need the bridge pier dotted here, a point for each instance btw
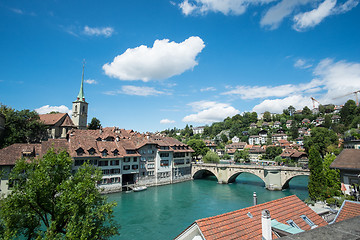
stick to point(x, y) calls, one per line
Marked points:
point(273, 178)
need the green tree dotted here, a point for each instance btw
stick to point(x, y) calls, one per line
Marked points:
point(332, 177)
point(211, 157)
point(272, 152)
point(94, 124)
point(291, 110)
point(267, 116)
point(242, 156)
point(306, 111)
point(316, 179)
point(348, 112)
point(21, 127)
point(321, 138)
point(48, 201)
point(294, 131)
point(198, 146)
point(224, 138)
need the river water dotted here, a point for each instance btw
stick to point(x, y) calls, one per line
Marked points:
point(164, 212)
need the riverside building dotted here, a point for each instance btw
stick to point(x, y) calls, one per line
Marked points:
point(126, 158)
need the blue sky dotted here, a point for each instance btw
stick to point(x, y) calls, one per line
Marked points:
point(153, 65)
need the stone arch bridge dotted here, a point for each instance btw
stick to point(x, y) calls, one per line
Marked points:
point(274, 177)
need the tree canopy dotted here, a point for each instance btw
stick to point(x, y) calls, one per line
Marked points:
point(198, 146)
point(94, 124)
point(321, 138)
point(211, 157)
point(21, 127)
point(48, 201)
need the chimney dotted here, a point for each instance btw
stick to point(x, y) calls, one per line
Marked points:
point(266, 225)
point(255, 198)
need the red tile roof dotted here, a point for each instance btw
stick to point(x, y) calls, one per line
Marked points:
point(60, 119)
point(238, 225)
point(349, 209)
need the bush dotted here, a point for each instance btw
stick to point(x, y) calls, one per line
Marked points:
point(308, 201)
point(331, 201)
point(211, 157)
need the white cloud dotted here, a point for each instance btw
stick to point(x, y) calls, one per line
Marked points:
point(104, 31)
point(347, 6)
point(277, 105)
point(47, 109)
point(339, 78)
point(302, 64)
point(207, 89)
point(254, 92)
point(136, 91)
point(235, 7)
point(164, 60)
point(332, 81)
point(313, 17)
point(275, 15)
point(209, 112)
point(90, 81)
point(17, 11)
point(166, 121)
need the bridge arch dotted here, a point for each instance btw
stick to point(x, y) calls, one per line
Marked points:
point(257, 173)
point(289, 177)
point(201, 173)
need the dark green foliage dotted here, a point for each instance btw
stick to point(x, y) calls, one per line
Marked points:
point(332, 178)
point(21, 127)
point(198, 146)
point(49, 202)
point(242, 156)
point(224, 138)
point(348, 112)
point(316, 179)
point(94, 124)
point(272, 152)
point(267, 116)
point(294, 130)
point(321, 138)
point(211, 157)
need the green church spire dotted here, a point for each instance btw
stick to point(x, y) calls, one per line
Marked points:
point(81, 96)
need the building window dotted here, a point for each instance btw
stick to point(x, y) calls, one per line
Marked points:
point(135, 167)
point(292, 223)
point(80, 151)
point(75, 108)
point(179, 154)
point(164, 155)
point(114, 162)
point(130, 151)
point(116, 152)
point(115, 171)
point(79, 162)
point(104, 153)
point(179, 162)
point(308, 221)
point(126, 167)
point(91, 151)
point(103, 163)
point(164, 163)
point(127, 159)
point(135, 159)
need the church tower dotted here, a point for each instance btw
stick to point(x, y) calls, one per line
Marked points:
point(80, 107)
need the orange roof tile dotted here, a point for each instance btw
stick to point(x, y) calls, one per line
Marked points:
point(238, 225)
point(349, 209)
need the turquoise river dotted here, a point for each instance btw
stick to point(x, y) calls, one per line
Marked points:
point(165, 211)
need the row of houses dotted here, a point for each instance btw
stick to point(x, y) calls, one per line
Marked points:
point(126, 158)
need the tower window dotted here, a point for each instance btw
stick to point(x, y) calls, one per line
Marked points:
point(83, 109)
point(75, 108)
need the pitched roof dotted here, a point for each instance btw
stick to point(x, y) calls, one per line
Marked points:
point(349, 209)
point(238, 224)
point(347, 159)
point(60, 119)
point(10, 154)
